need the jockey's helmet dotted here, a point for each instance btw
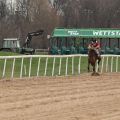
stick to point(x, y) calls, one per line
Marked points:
point(93, 41)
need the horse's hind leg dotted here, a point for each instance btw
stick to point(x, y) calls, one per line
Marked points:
point(99, 62)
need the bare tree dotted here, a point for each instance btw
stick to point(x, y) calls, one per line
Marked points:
point(89, 13)
point(27, 16)
point(30, 15)
point(3, 14)
point(34, 15)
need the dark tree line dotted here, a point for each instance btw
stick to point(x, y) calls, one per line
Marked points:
point(89, 13)
point(17, 19)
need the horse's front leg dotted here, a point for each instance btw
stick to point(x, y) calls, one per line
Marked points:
point(88, 66)
point(94, 69)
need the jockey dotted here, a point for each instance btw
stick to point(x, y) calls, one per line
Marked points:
point(95, 45)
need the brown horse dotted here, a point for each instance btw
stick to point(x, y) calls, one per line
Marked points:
point(92, 58)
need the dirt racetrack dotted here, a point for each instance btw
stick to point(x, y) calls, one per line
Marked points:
point(61, 98)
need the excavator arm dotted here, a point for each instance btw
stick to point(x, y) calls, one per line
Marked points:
point(26, 46)
point(29, 37)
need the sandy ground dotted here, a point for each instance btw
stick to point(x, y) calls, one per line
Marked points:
point(61, 98)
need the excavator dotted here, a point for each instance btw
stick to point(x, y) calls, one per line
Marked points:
point(13, 44)
point(26, 47)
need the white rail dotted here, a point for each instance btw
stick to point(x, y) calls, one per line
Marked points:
point(52, 65)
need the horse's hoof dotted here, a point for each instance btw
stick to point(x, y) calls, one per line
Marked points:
point(95, 74)
point(92, 74)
